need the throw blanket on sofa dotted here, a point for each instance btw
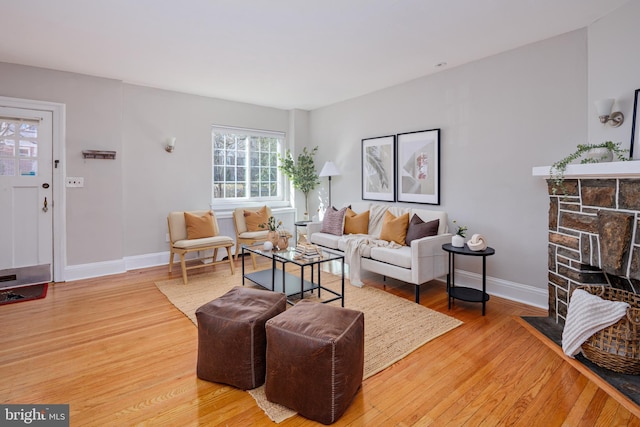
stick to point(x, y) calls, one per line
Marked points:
point(586, 315)
point(356, 245)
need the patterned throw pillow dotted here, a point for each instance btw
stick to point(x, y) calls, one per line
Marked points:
point(419, 229)
point(199, 227)
point(356, 223)
point(394, 229)
point(253, 219)
point(333, 222)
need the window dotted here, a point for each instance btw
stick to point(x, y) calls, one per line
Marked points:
point(18, 147)
point(245, 164)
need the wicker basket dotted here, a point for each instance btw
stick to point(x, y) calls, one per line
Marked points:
point(616, 347)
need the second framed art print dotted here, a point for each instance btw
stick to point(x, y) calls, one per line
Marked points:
point(378, 168)
point(418, 170)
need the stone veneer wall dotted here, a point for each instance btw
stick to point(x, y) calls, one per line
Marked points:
point(593, 238)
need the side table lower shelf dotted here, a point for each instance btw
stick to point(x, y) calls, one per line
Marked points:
point(468, 294)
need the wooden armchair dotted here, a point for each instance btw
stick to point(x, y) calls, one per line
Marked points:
point(243, 235)
point(196, 231)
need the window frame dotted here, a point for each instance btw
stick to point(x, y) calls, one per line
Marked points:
point(232, 203)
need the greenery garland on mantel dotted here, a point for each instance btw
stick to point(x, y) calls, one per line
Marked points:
point(559, 168)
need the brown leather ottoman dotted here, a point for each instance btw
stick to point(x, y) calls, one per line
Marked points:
point(315, 359)
point(231, 336)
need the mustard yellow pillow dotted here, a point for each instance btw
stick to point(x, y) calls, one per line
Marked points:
point(394, 229)
point(356, 223)
point(253, 219)
point(199, 227)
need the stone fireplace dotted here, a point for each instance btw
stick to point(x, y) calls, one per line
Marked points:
point(593, 231)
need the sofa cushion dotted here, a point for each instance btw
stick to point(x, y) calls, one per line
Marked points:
point(199, 226)
point(356, 223)
point(427, 215)
point(325, 239)
point(400, 257)
point(333, 222)
point(419, 229)
point(394, 229)
point(364, 251)
point(253, 219)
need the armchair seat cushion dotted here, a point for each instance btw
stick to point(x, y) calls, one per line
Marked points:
point(204, 242)
point(254, 235)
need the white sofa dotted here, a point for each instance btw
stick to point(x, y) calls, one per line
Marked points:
point(419, 263)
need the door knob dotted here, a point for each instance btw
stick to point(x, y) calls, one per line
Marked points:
point(45, 208)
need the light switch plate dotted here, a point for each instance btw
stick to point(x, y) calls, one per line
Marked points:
point(74, 181)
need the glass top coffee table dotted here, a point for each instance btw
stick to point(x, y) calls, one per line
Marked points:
point(276, 279)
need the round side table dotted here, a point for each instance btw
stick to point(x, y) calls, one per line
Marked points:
point(461, 292)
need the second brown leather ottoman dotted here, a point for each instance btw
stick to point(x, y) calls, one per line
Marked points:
point(231, 336)
point(315, 359)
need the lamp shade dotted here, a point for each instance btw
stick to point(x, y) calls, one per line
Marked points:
point(604, 106)
point(329, 169)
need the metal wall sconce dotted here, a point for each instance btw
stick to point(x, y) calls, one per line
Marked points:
point(171, 144)
point(604, 107)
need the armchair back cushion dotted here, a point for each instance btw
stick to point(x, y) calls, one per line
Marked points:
point(199, 226)
point(241, 223)
point(253, 219)
point(178, 224)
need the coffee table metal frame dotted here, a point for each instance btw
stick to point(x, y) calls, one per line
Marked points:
point(278, 280)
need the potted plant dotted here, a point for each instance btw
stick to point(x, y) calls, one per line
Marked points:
point(276, 236)
point(458, 239)
point(590, 153)
point(302, 173)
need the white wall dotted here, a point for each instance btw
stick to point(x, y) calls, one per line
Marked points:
point(94, 121)
point(499, 117)
point(157, 182)
point(121, 211)
point(614, 71)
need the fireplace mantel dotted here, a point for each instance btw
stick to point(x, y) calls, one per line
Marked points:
point(630, 169)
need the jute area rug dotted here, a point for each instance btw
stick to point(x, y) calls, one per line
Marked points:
point(394, 327)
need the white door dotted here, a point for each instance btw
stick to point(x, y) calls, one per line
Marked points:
point(26, 188)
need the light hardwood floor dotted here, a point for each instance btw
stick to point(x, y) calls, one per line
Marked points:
point(120, 354)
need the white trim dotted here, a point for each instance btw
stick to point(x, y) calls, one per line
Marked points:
point(148, 260)
point(629, 169)
point(96, 269)
point(525, 294)
point(518, 292)
point(59, 212)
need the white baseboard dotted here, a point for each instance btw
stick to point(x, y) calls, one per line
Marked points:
point(96, 269)
point(513, 291)
point(87, 271)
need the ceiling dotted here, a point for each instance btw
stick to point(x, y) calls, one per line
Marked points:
point(281, 53)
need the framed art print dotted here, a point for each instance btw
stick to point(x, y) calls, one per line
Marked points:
point(635, 124)
point(418, 168)
point(378, 173)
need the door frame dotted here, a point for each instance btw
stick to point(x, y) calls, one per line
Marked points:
point(58, 153)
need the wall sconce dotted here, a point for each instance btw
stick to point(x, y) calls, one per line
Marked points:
point(171, 144)
point(604, 107)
